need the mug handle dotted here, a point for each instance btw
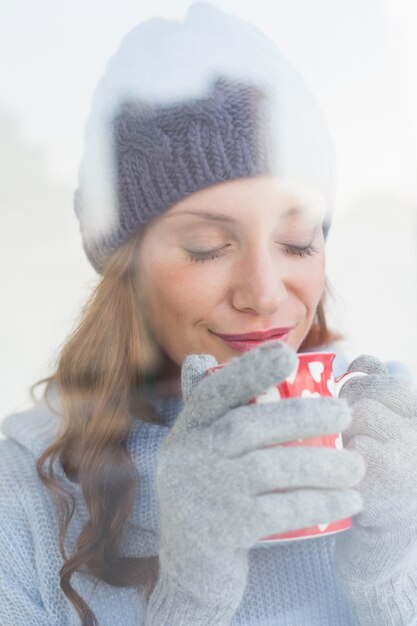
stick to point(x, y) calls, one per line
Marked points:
point(338, 384)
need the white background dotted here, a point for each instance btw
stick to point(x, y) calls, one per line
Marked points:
point(359, 57)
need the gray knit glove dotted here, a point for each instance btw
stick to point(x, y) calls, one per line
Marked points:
point(376, 560)
point(215, 481)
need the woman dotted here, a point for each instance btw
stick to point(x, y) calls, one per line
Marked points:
point(136, 490)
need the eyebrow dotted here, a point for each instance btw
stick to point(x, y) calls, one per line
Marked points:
point(219, 217)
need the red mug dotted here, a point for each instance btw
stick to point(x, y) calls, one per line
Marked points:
point(313, 377)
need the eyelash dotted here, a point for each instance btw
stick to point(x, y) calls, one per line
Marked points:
point(196, 256)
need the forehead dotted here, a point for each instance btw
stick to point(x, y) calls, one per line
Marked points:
point(234, 201)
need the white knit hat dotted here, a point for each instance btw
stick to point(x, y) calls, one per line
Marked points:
point(183, 105)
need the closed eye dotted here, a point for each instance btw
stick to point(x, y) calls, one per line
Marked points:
point(199, 256)
point(301, 251)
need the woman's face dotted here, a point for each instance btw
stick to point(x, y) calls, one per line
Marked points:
point(242, 256)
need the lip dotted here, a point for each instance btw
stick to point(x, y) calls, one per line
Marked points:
point(251, 340)
point(260, 335)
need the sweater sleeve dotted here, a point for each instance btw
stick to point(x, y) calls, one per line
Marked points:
point(20, 601)
point(169, 604)
point(20, 597)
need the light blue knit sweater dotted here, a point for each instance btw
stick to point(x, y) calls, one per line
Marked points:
point(288, 584)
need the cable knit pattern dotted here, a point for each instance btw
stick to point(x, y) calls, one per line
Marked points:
point(165, 153)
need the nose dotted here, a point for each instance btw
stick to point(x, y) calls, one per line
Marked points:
point(260, 283)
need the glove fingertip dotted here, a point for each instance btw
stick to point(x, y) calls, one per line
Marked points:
point(368, 364)
point(357, 501)
point(359, 472)
point(282, 358)
point(354, 500)
point(194, 368)
point(345, 414)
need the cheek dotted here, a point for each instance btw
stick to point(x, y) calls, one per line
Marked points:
point(310, 282)
point(315, 278)
point(183, 291)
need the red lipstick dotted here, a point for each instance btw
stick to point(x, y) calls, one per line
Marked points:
point(247, 341)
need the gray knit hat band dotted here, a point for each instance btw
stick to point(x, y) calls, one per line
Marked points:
point(165, 153)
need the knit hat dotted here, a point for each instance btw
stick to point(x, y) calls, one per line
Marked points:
point(184, 105)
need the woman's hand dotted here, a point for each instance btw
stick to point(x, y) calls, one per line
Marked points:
point(223, 483)
point(377, 559)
